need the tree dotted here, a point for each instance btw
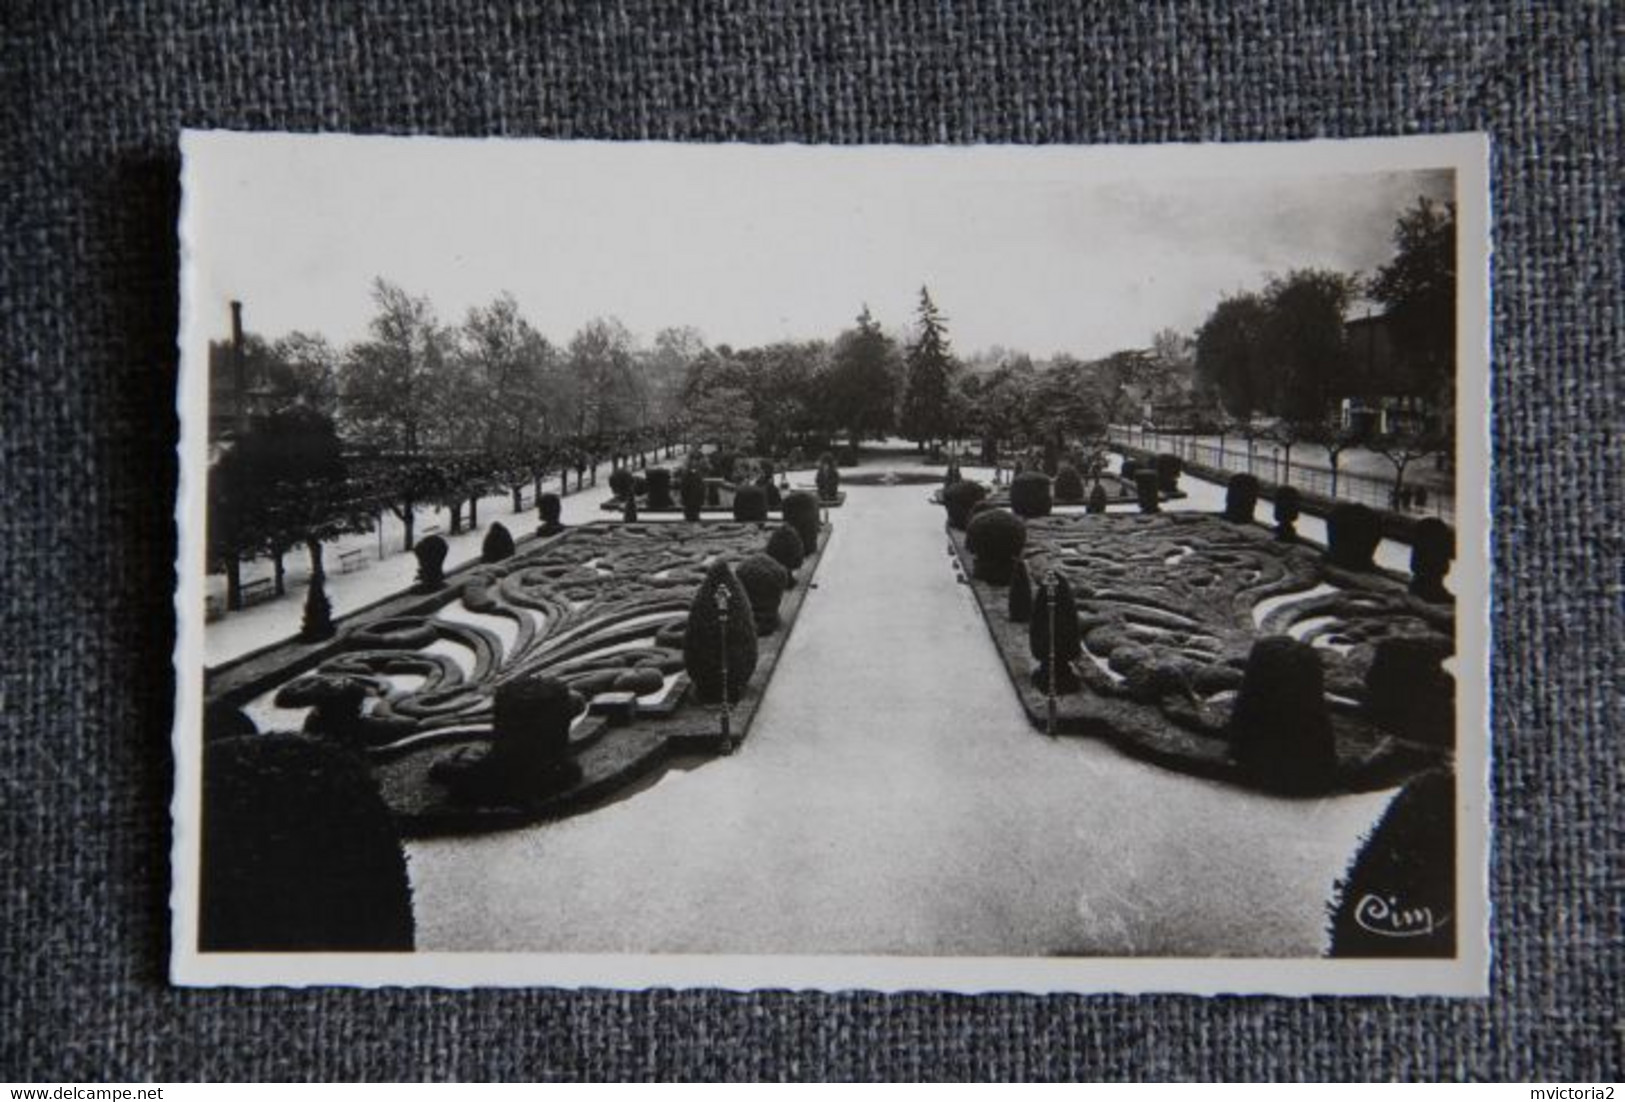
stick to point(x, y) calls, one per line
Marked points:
point(722, 417)
point(610, 391)
point(282, 483)
point(1418, 289)
point(1065, 403)
point(1335, 439)
point(1303, 343)
point(304, 368)
point(1403, 448)
point(927, 412)
point(1228, 353)
point(509, 394)
point(396, 384)
point(860, 391)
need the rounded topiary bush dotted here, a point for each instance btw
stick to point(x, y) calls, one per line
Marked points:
point(498, 543)
point(995, 539)
point(336, 710)
point(1280, 729)
point(1169, 468)
point(1068, 485)
point(1240, 499)
point(431, 555)
point(300, 853)
point(1353, 532)
point(659, 481)
point(750, 503)
point(1147, 491)
point(693, 494)
point(1398, 898)
point(1097, 499)
point(959, 499)
point(703, 641)
point(1030, 494)
point(800, 512)
point(1021, 593)
point(621, 482)
point(528, 757)
point(1066, 644)
point(550, 509)
point(765, 581)
point(787, 550)
point(1288, 506)
point(1433, 546)
point(1128, 469)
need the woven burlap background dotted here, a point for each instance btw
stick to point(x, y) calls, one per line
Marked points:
point(94, 97)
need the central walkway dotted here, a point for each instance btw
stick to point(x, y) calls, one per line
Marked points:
point(892, 799)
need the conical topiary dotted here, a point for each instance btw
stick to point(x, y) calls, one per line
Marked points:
point(1288, 506)
point(1147, 490)
point(750, 504)
point(1353, 532)
point(659, 483)
point(550, 509)
point(693, 493)
point(1097, 499)
point(704, 643)
point(1068, 485)
point(317, 621)
point(1433, 545)
point(1068, 646)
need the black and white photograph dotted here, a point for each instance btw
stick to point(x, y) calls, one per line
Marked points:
point(870, 567)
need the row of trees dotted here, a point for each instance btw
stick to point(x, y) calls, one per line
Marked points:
point(1285, 351)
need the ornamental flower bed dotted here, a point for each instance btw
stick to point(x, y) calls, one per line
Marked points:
point(1170, 608)
point(415, 683)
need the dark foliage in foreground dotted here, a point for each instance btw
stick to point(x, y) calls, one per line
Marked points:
point(299, 852)
point(703, 639)
point(996, 538)
point(1399, 897)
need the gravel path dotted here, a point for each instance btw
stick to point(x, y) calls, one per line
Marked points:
point(892, 799)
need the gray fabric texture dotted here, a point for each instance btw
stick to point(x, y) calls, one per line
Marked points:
point(93, 100)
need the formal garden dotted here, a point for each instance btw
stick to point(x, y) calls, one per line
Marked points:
point(625, 573)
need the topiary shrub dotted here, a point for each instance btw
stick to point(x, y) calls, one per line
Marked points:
point(621, 482)
point(1146, 490)
point(222, 721)
point(498, 543)
point(800, 511)
point(952, 475)
point(959, 498)
point(550, 509)
point(785, 547)
point(1409, 692)
point(1353, 532)
point(1433, 546)
point(765, 581)
point(1240, 499)
point(317, 621)
point(431, 555)
point(1068, 643)
point(703, 642)
point(1029, 495)
point(336, 710)
point(770, 490)
point(750, 504)
point(1287, 510)
point(1021, 593)
point(659, 480)
point(629, 508)
point(1068, 485)
point(528, 756)
point(828, 479)
point(1398, 898)
point(996, 539)
point(1129, 467)
point(1169, 468)
point(1097, 499)
point(299, 852)
point(1280, 729)
point(693, 494)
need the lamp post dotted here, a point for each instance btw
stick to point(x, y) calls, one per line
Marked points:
point(1049, 681)
point(722, 619)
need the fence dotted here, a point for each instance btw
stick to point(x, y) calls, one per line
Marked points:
point(1271, 467)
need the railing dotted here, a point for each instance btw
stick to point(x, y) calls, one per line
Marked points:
point(1269, 466)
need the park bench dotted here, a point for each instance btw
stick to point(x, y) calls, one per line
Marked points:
point(260, 589)
point(430, 530)
point(353, 559)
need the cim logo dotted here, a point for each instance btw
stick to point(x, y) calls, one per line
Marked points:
point(1385, 917)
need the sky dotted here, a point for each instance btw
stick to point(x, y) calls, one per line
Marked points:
point(1043, 249)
